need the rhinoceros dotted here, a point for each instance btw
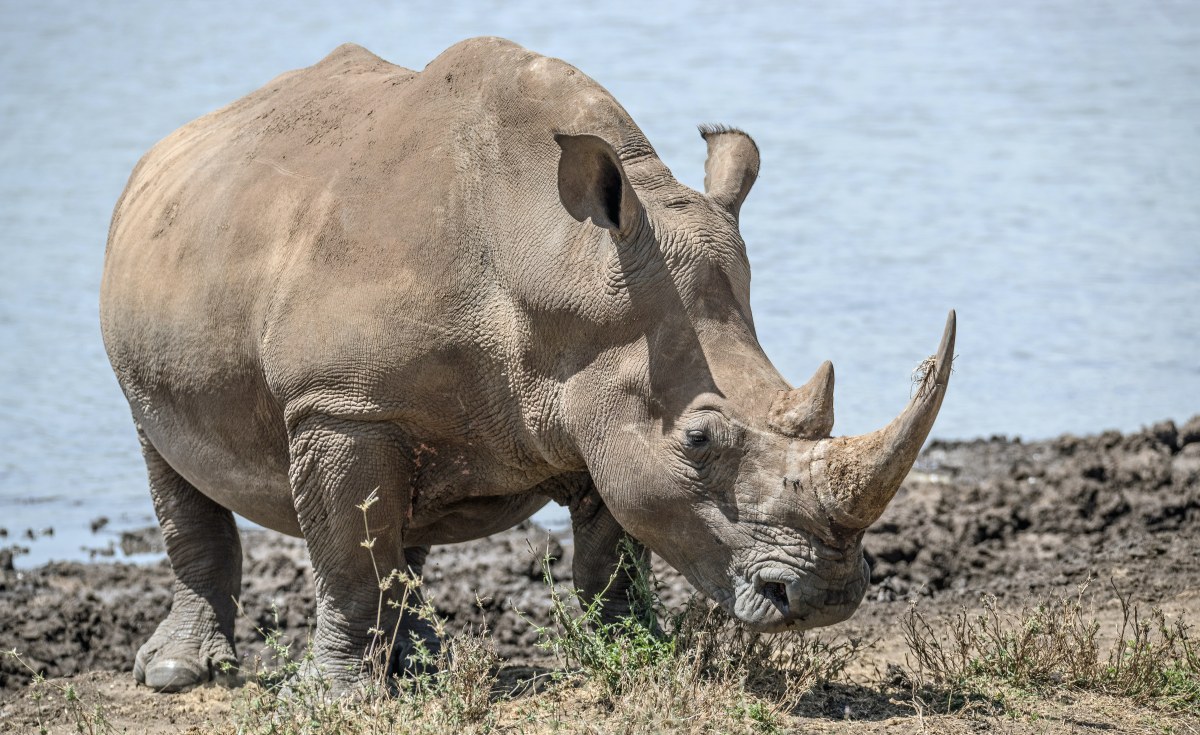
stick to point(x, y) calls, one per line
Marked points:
point(466, 292)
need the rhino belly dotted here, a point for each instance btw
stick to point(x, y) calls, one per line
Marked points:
point(471, 518)
point(229, 443)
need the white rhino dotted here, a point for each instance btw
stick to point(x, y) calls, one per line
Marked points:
point(474, 289)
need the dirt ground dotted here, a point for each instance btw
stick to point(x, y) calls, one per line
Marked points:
point(1000, 517)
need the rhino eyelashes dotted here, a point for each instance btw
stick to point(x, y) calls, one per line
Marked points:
point(795, 484)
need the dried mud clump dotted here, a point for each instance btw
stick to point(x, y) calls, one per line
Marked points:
point(977, 516)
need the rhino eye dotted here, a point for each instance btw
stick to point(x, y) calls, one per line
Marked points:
point(697, 438)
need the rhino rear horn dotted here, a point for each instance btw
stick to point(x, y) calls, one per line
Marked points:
point(731, 166)
point(806, 411)
point(856, 476)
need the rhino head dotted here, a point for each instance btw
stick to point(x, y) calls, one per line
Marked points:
point(698, 446)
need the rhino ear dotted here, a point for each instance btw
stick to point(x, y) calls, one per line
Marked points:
point(731, 167)
point(592, 183)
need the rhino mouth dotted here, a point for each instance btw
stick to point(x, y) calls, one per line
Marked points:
point(779, 598)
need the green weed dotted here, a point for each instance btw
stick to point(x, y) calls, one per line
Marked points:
point(53, 697)
point(695, 668)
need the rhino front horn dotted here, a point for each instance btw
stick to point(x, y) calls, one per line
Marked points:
point(856, 476)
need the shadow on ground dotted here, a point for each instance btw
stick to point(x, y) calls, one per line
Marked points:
point(849, 701)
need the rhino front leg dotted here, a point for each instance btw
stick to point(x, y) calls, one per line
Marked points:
point(602, 563)
point(336, 464)
point(194, 644)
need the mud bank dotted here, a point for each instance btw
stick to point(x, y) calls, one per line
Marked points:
point(994, 516)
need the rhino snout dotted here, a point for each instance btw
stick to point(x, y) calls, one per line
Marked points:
point(776, 599)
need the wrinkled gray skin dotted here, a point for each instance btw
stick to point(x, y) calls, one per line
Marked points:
point(475, 288)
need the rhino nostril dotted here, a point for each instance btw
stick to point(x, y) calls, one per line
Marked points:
point(776, 592)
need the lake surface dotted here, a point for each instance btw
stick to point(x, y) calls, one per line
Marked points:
point(1034, 165)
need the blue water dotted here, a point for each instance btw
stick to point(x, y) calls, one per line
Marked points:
point(1033, 164)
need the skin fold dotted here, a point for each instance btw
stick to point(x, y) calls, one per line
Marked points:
point(469, 290)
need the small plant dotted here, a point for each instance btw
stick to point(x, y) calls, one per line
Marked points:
point(1153, 660)
point(1055, 644)
point(608, 653)
point(782, 668)
point(88, 719)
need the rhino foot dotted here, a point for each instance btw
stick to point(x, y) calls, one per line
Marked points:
point(175, 659)
point(335, 673)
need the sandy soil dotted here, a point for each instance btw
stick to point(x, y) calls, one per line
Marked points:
point(1005, 518)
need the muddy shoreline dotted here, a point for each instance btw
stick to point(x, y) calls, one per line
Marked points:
point(997, 516)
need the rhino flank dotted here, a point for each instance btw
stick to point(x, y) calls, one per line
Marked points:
point(472, 290)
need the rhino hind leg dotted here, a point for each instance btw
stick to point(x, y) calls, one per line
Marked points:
point(194, 644)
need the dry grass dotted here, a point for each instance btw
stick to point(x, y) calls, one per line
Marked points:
point(1153, 661)
point(703, 673)
point(694, 670)
point(87, 714)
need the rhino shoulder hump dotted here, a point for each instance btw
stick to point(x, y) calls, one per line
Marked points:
point(352, 58)
point(485, 47)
